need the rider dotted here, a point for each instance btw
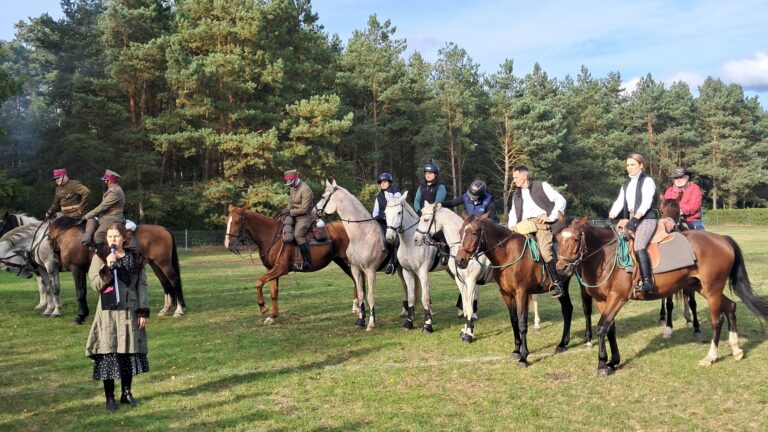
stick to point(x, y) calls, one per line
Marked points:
point(477, 201)
point(70, 197)
point(432, 190)
point(690, 202)
point(387, 191)
point(540, 203)
point(637, 201)
point(300, 208)
point(108, 212)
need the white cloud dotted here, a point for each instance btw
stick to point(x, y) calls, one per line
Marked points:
point(630, 85)
point(693, 80)
point(751, 73)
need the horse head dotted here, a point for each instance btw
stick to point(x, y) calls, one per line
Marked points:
point(327, 205)
point(235, 234)
point(471, 240)
point(428, 225)
point(571, 247)
point(394, 215)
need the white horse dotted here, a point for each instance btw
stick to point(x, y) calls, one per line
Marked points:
point(26, 252)
point(365, 251)
point(435, 220)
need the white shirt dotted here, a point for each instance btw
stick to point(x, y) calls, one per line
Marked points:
point(648, 191)
point(388, 196)
point(531, 210)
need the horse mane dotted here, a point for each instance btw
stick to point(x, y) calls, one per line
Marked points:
point(408, 209)
point(65, 222)
point(19, 233)
point(355, 204)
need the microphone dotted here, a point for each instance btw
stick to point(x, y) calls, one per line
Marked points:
point(113, 248)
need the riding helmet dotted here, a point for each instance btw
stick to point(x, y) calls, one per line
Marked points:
point(385, 176)
point(432, 167)
point(476, 189)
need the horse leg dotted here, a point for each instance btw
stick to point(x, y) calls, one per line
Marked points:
point(56, 292)
point(43, 293)
point(167, 290)
point(260, 296)
point(716, 312)
point(409, 284)
point(670, 307)
point(78, 274)
point(610, 309)
point(521, 302)
point(425, 299)
point(663, 312)
point(566, 307)
point(511, 307)
point(536, 318)
point(345, 267)
point(615, 356)
point(358, 276)
point(696, 325)
point(468, 291)
point(274, 291)
point(586, 306)
point(687, 310)
point(733, 337)
point(371, 297)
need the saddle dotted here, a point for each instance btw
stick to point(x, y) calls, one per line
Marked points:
point(317, 235)
point(669, 250)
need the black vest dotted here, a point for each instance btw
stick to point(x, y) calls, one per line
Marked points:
point(383, 200)
point(429, 192)
point(651, 213)
point(539, 197)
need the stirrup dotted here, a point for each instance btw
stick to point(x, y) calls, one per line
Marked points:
point(389, 269)
point(556, 291)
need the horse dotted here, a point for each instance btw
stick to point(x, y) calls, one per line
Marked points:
point(25, 251)
point(519, 273)
point(416, 260)
point(154, 242)
point(365, 251)
point(276, 255)
point(479, 270)
point(670, 208)
point(592, 253)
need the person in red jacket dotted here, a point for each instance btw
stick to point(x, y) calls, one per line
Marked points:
point(688, 194)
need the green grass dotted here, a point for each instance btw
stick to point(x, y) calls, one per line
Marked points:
point(220, 368)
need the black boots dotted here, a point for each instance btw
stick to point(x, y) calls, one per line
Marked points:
point(127, 398)
point(392, 266)
point(557, 283)
point(644, 262)
point(306, 266)
point(109, 392)
point(90, 228)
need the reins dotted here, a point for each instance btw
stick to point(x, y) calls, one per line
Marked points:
point(622, 259)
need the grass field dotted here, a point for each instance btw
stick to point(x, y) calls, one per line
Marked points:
point(220, 368)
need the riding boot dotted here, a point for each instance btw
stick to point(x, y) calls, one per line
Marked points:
point(644, 262)
point(445, 254)
point(109, 393)
point(392, 266)
point(90, 227)
point(557, 283)
point(126, 397)
point(306, 266)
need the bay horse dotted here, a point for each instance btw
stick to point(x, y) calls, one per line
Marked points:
point(591, 253)
point(155, 242)
point(518, 274)
point(277, 256)
point(365, 252)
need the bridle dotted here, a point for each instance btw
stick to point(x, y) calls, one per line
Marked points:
point(321, 211)
point(576, 261)
point(238, 238)
point(399, 228)
point(428, 234)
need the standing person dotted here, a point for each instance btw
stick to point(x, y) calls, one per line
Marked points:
point(688, 195)
point(477, 201)
point(109, 211)
point(70, 197)
point(540, 203)
point(637, 201)
point(387, 191)
point(300, 208)
point(117, 342)
point(431, 190)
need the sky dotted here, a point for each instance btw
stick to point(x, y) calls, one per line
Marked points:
point(672, 40)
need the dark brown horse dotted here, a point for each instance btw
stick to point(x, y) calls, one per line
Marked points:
point(591, 252)
point(518, 276)
point(277, 256)
point(154, 242)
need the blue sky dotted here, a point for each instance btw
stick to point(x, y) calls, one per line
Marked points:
point(673, 40)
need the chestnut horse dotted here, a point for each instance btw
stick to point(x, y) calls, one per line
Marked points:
point(276, 255)
point(155, 242)
point(518, 275)
point(592, 253)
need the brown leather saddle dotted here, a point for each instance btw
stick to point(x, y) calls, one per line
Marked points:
point(669, 250)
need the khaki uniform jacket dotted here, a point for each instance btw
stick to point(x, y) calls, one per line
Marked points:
point(70, 198)
point(302, 200)
point(117, 330)
point(112, 203)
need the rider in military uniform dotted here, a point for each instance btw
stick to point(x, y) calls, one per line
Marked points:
point(70, 198)
point(300, 208)
point(110, 211)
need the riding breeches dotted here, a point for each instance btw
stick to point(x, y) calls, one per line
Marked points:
point(544, 239)
point(104, 222)
point(644, 233)
point(301, 226)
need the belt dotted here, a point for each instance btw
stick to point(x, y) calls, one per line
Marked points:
point(69, 208)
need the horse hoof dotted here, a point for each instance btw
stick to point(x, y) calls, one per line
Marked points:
point(269, 321)
point(45, 314)
point(178, 314)
point(515, 356)
point(360, 323)
point(428, 329)
point(560, 349)
point(588, 344)
point(662, 322)
point(468, 338)
point(523, 364)
point(706, 362)
point(162, 313)
point(370, 327)
point(408, 325)
point(537, 327)
point(738, 355)
point(689, 324)
point(699, 337)
point(667, 333)
point(79, 320)
point(56, 315)
point(604, 372)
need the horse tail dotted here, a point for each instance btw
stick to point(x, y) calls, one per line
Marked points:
point(741, 285)
point(177, 269)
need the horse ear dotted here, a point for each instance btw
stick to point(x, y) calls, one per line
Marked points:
point(404, 196)
point(581, 221)
point(327, 183)
point(483, 217)
point(334, 183)
point(230, 208)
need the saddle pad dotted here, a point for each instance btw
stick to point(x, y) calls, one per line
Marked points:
point(675, 253)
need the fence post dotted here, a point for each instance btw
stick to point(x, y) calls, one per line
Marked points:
point(186, 240)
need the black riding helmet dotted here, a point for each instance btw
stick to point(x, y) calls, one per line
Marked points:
point(385, 176)
point(432, 167)
point(477, 189)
